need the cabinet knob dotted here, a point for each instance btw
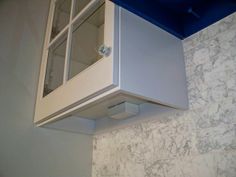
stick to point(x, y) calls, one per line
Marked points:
point(104, 50)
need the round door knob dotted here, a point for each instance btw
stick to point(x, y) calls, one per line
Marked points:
point(104, 50)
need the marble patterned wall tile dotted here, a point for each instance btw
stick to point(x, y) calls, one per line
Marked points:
point(193, 143)
point(210, 69)
point(226, 24)
point(139, 148)
point(215, 127)
point(197, 166)
point(225, 164)
point(208, 165)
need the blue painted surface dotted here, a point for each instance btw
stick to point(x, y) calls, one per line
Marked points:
point(181, 18)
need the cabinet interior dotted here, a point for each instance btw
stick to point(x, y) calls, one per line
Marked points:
point(86, 39)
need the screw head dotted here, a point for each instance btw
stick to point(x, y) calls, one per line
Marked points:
point(104, 50)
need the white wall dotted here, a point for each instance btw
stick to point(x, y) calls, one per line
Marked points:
point(26, 151)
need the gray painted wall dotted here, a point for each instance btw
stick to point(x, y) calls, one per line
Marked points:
point(26, 151)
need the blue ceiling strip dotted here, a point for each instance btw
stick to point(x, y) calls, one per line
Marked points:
point(209, 14)
point(181, 18)
point(151, 12)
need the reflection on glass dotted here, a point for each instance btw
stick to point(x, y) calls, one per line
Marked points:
point(86, 39)
point(79, 5)
point(55, 66)
point(61, 16)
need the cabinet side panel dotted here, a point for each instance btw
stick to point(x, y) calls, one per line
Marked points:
point(152, 62)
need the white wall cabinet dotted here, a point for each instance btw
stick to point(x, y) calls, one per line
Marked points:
point(98, 55)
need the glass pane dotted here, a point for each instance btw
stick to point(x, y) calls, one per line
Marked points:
point(86, 39)
point(79, 5)
point(61, 16)
point(55, 66)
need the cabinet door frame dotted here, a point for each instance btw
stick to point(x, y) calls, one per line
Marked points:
point(98, 78)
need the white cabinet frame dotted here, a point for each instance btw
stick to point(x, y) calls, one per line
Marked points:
point(99, 77)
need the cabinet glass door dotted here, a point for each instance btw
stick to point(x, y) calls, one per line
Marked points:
point(78, 60)
point(86, 40)
point(57, 46)
point(79, 6)
point(77, 32)
point(55, 66)
point(61, 16)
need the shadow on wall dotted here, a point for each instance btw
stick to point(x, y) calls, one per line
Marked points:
point(25, 150)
